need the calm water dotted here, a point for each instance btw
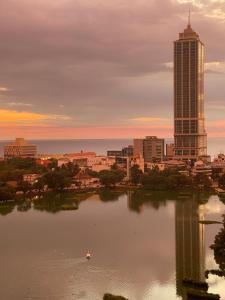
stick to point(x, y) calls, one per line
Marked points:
point(142, 246)
point(215, 145)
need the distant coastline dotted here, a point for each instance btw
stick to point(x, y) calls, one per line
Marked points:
point(100, 146)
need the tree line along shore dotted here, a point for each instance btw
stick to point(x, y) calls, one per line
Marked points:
point(20, 176)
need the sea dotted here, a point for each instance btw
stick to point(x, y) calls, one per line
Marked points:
point(100, 146)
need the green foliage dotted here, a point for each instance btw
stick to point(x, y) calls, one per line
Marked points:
point(70, 169)
point(53, 164)
point(91, 173)
point(40, 184)
point(111, 177)
point(219, 252)
point(202, 180)
point(6, 208)
point(221, 181)
point(111, 297)
point(11, 175)
point(216, 173)
point(24, 186)
point(22, 163)
point(136, 174)
point(114, 167)
point(165, 180)
point(6, 193)
point(15, 168)
point(58, 179)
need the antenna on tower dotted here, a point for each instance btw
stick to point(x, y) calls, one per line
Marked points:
point(189, 17)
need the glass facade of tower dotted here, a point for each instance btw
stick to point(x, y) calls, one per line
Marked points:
point(189, 129)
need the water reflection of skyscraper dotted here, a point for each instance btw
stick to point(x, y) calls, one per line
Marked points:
point(190, 246)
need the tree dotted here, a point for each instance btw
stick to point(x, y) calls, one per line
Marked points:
point(202, 180)
point(22, 163)
point(6, 193)
point(219, 252)
point(40, 184)
point(57, 180)
point(136, 174)
point(114, 167)
point(112, 297)
point(24, 186)
point(221, 181)
point(53, 164)
point(163, 180)
point(92, 173)
point(110, 177)
point(10, 175)
point(73, 169)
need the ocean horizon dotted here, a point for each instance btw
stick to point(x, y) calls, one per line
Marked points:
point(216, 145)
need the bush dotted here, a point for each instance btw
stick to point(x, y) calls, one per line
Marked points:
point(110, 177)
point(111, 297)
point(6, 193)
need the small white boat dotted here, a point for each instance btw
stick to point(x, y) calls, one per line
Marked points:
point(88, 255)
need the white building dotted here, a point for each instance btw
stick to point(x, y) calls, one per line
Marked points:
point(31, 178)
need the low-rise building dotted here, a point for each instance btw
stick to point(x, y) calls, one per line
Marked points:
point(218, 165)
point(44, 162)
point(205, 158)
point(20, 148)
point(201, 168)
point(63, 161)
point(101, 162)
point(114, 153)
point(31, 178)
point(84, 180)
point(160, 166)
point(175, 164)
point(100, 167)
point(50, 156)
point(80, 155)
point(81, 162)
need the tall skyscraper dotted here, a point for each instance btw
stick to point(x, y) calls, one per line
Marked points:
point(189, 129)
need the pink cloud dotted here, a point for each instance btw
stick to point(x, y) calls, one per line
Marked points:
point(53, 132)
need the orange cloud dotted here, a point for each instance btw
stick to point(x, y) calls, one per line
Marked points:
point(149, 120)
point(11, 116)
point(4, 89)
point(52, 132)
point(216, 123)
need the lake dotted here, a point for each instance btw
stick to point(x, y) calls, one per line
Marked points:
point(142, 245)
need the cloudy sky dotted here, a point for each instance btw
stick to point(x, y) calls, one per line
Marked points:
point(101, 68)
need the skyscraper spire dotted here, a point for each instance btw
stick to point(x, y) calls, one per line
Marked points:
point(189, 17)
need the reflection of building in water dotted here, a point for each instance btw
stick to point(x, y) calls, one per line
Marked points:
point(190, 248)
point(134, 202)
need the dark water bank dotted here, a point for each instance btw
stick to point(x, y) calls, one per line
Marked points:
point(111, 297)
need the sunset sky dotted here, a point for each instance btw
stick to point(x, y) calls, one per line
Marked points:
point(101, 68)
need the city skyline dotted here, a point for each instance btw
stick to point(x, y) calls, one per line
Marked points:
point(68, 73)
